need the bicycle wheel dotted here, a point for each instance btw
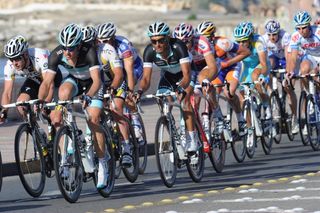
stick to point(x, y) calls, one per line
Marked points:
point(132, 172)
point(251, 136)
point(111, 164)
point(67, 165)
point(302, 119)
point(238, 144)
point(165, 152)
point(312, 123)
point(195, 163)
point(0, 171)
point(268, 131)
point(287, 115)
point(29, 160)
point(276, 115)
point(143, 148)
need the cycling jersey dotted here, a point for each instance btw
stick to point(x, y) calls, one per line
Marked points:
point(38, 64)
point(87, 61)
point(125, 50)
point(251, 62)
point(201, 47)
point(178, 55)
point(277, 49)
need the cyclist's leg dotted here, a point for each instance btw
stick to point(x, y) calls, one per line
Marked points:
point(28, 91)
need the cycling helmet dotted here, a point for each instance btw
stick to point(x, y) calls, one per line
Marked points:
point(106, 30)
point(272, 26)
point(183, 32)
point(243, 31)
point(158, 29)
point(70, 36)
point(302, 18)
point(15, 47)
point(206, 28)
point(89, 33)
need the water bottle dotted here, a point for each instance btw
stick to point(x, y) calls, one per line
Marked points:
point(44, 146)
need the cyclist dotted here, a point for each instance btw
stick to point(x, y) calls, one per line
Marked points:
point(171, 56)
point(255, 66)
point(277, 41)
point(113, 68)
point(304, 40)
point(89, 34)
point(81, 61)
point(132, 64)
point(228, 54)
point(202, 55)
point(31, 63)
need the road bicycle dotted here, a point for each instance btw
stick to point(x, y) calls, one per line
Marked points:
point(170, 144)
point(70, 151)
point(280, 106)
point(32, 150)
point(259, 126)
point(110, 122)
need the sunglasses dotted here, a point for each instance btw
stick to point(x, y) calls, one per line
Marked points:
point(104, 41)
point(272, 34)
point(301, 28)
point(161, 41)
point(70, 49)
point(18, 58)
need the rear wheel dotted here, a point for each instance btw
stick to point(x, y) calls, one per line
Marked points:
point(276, 115)
point(312, 123)
point(238, 144)
point(165, 152)
point(251, 136)
point(287, 115)
point(143, 148)
point(268, 128)
point(29, 160)
point(67, 164)
point(302, 119)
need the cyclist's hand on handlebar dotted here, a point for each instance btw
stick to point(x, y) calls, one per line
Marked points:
point(111, 91)
point(86, 100)
point(180, 92)
point(3, 116)
point(206, 84)
point(39, 105)
point(130, 95)
point(137, 96)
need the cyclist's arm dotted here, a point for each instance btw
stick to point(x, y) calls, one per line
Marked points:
point(45, 86)
point(263, 63)
point(242, 53)
point(118, 77)
point(51, 89)
point(292, 58)
point(128, 66)
point(7, 92)
point(146, 79)
point(186, 72)
point(96, 81)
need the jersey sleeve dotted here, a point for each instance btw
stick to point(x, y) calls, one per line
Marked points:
point(204, 46)
point(148, 56)
point(125, 50)
point(9, 71)
point(295, 41)
point(54, 60)
point(92, 58)
point(43, 58)
point(224, 45)
point(285, 39)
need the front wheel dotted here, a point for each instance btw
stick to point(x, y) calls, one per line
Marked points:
point(251, 136)
point(312, 123)
point(143, 148)
point(238, 144)
point(165, 152)
point(269, 131)
point(29, 160)
point(302, 119)
point(67, 164)
point(276, 116)
point(287, 115)
point(195, 163)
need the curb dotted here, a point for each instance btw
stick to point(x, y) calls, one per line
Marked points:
point(10, 169)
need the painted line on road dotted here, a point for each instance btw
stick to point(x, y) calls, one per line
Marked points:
point(250, 199)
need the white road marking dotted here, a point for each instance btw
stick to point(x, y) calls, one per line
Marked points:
point(294, 197)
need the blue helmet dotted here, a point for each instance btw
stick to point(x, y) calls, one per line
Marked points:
point(70, 36)
point(158, 29)
point(272, 26)
point(302, 18)
point(243, 31)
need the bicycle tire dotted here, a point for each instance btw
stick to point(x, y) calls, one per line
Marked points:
point(1, 174)
point(132, 172)
point(238, 145)
point(66, 164)
point(31, 164)
point(302, 118)
point(143, 148)
point(287, 116)
point(250, 149)
point(195, 163)
point(105, 192)
point(312, 125)
point(267, 137)
point(166, 157)
point(276, 115)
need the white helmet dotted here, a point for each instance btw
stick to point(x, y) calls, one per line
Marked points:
point(70, 36)
point(272, 26)
point(89, 33)
point(158, 28)
point(106, 30)
point(15, 47)
point(183, 32)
